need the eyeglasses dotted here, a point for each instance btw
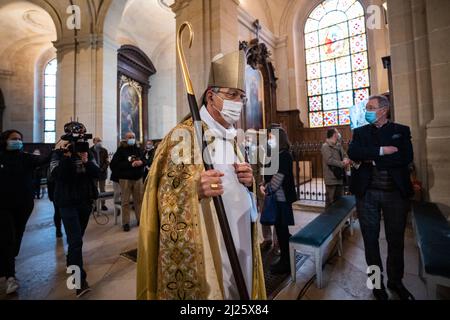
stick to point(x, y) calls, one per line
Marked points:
point(233, 95)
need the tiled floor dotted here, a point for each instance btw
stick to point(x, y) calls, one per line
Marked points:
point(41, 264)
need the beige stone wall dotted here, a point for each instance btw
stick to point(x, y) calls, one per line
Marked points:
point(260, 10)
point(26, 31)
point(108, 79)
point(215, 24)
point(162, 94)
point(18, 88)
point(438, 130)
point(79, 84)
point(421, 71)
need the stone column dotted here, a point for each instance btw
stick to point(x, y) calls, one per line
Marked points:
point(421, 72)
point(438, 130)
point(87, 86)
point(215, 25)
point(405, 65)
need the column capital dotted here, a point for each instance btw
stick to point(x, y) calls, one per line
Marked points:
point(92, 40)
point(178, 5)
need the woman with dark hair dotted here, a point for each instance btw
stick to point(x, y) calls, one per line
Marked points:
point(282, 184)
point(16, 200)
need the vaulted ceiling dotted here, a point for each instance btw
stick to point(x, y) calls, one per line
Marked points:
point(23, 25)
point(147, 24)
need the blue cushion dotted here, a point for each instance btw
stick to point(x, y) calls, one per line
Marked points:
point(433, 234)
point(318, 230)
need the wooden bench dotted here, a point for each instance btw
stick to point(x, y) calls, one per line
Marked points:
point(314, 238)
point(432, 233)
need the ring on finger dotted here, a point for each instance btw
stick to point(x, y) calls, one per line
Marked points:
point(214, 186)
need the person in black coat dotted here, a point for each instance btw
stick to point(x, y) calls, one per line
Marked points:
point(382, 152)
point(127, 166)
point(74, 174)
point(282, 184)
point(16, 200)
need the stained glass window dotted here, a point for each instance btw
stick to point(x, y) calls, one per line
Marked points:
point(50, 102)
point(336, 61)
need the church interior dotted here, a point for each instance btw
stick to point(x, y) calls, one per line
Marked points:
point(112, 65)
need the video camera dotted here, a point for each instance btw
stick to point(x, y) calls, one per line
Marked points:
point(75, 133)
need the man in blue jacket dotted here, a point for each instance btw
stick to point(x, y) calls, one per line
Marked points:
point(382, 151)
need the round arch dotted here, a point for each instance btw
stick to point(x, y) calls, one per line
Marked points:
point(53, 12)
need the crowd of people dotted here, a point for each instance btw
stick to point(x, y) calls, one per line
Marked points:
point(378, 157)
point(74, 179)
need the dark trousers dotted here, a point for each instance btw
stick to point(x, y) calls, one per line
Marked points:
point(57, 217)
point(282, 230)
point(395, 210)
point(37, 188)
point(75, 221)
point(333, 193)
point(12, 226)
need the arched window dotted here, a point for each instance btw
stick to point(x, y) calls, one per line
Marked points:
point(50, 102)
point(336, 61)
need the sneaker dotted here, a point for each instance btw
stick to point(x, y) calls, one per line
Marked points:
point(104, 208)
point(11, 285)
point(126, 227)
point(401, 291)
point(83, 290)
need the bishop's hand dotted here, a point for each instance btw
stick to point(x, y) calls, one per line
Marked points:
point(210, 184)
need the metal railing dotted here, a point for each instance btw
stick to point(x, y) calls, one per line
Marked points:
point(308, 171)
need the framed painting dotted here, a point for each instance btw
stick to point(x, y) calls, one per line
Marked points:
point(254, 109)
point(130, 106)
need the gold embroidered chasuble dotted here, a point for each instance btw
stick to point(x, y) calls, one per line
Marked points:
point(178, 249)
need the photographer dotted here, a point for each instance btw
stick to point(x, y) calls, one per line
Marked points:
point(128, 167)
point(74, 172)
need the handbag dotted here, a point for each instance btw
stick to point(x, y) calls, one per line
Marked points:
point(269, 212)
point(338, 172)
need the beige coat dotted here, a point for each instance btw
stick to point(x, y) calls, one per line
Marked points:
point(331, 157)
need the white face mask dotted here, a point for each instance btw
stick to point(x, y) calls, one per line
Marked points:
point(231, 111)
point(272, 143)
